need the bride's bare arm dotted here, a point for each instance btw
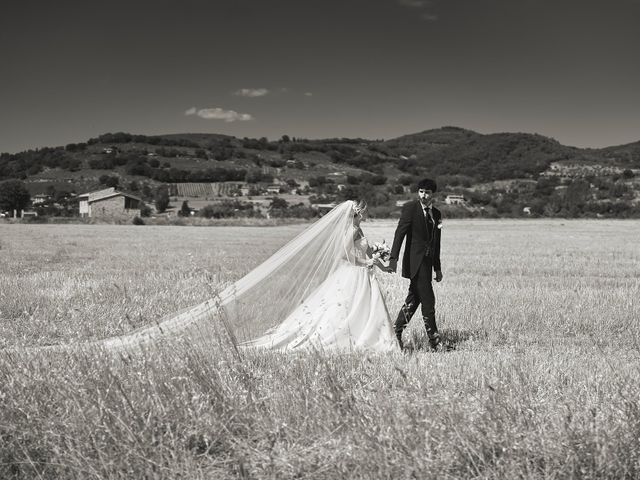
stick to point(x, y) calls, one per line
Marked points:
point(348, 247)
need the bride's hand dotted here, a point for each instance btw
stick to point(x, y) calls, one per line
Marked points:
point(380, 264)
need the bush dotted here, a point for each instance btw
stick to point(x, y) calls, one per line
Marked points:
point(185, 210)
point(228, 209)
point(281, 209)
point(36, 219)
point(373, 179)
point(109, 180)
point(406, 180)
point(137, 220)
point(145, 210)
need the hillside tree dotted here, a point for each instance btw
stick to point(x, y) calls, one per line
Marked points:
point(185, 210)
point(13, 195)
point(162, 198)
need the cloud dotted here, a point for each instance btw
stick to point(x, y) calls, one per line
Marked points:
point(251, 92)
point(308, 94)
point(219, 114)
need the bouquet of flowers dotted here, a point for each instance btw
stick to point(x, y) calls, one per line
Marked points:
point(381, 250)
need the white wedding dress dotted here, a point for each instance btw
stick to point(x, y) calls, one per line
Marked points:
point(345, 312)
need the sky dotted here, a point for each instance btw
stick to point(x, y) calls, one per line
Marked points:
point(71, 70)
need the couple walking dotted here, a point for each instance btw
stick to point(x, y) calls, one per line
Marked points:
point(347, 310)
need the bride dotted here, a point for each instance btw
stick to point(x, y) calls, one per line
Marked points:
point(347, 310)
point(318, 291)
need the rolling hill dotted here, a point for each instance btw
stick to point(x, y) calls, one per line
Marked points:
point(500, 173)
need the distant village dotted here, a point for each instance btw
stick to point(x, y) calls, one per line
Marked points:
point(189, 198)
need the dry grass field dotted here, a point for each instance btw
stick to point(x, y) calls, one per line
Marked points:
point(542, 382)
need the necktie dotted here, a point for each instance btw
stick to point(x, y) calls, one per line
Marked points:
point(428, 217)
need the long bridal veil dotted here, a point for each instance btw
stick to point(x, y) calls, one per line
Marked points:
point(264, 297)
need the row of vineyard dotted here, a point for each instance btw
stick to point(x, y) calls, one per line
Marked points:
point(202, 189)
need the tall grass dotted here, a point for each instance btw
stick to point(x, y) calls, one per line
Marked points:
point(542, 316)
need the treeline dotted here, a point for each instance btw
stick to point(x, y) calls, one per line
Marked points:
point(367, 179)
point(586, 197)
point(278, 208)
point(548, 197)
point(30, 162)
point(216, 148)
point(121, 137)
point(163, 172)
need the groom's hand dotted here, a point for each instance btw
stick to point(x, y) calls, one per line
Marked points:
point(393, 265)
point(438, 276)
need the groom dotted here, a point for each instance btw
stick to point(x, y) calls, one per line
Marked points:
point(420, 223)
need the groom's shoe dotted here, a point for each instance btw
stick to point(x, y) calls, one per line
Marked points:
point(435, 342)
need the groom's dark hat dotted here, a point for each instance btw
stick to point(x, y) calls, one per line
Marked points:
point(427, 184)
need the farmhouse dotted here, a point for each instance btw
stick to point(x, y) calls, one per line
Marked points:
point(454, 200)
point(109, 204)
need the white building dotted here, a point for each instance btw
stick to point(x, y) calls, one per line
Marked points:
point(40, 198)
point(455, 200)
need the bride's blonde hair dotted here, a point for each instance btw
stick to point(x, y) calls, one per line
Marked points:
point(359, 207)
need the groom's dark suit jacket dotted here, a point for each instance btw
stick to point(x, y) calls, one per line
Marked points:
point(423, 238)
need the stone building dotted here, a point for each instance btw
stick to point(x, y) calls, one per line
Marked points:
point(109, 204)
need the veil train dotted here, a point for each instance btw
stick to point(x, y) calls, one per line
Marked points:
point(260, 300)
point(251, 309)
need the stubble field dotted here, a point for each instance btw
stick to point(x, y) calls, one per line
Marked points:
point(543, 318)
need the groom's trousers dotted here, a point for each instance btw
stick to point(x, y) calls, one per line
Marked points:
point(420, 293)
